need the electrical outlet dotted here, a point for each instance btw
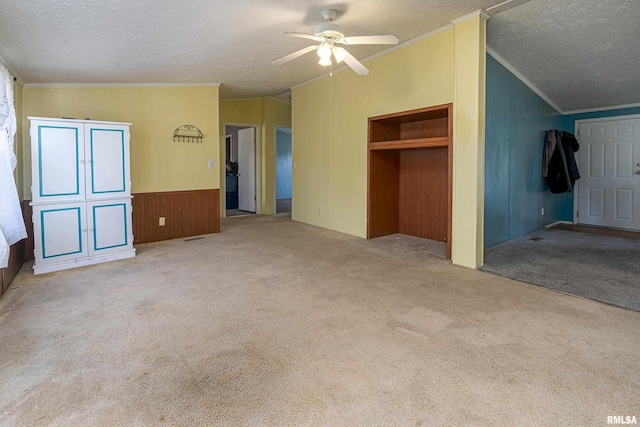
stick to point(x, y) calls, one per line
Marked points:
point(161, 221)
point(542, 211)
point(210, 164)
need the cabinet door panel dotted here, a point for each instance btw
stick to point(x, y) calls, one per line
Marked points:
point(109, 226)
point(60, 232)
point(57, 157)
point(107, 151)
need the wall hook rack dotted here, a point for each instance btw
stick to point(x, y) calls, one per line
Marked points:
point(187, 133)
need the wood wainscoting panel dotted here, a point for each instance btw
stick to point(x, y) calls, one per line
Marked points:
point(27, 213)
point(410, 159)
point(383, 193)
point(16, 259)
point(424, 202)
point(20, 252)
point(186, 213)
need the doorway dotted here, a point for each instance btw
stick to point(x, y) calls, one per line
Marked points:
point(608, 193)
point(241, 175)
point(283, 170)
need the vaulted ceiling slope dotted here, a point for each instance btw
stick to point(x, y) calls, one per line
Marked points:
point(198, 41)
point(582, 54)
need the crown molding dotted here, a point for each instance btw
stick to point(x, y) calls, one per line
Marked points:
point(4, 60)
point(476, 13)
point(117, 85)
point(254, 99)
point(523, 79)
point(315, 79)
point(408, 42)
point(240, 99)
point(445, 27)
point(504, 6)
point(279, 100)
point(597, 109)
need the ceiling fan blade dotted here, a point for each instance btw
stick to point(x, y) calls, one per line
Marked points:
point(303, 36)
point(355, 65)
point(388, 39)
point(294, 55)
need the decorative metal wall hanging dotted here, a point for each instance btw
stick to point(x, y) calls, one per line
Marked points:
point(187, 133)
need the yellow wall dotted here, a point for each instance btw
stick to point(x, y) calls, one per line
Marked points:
point(415, 76)
point(329, 130)
point(157, 163)
point(310, 135)
point(468, 147)
point(274, 114)
point(267, 114)
point(244, 112)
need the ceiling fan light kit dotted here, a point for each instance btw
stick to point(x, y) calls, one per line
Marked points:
point(325, 61)
point(330, 34)
point(324, 50)
point(339, 53)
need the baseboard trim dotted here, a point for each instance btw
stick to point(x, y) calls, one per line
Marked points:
point(558, 222)
point(81, 262)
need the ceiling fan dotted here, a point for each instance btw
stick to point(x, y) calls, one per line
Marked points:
point(329, 35)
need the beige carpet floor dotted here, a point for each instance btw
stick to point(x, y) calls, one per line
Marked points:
point(276, 323)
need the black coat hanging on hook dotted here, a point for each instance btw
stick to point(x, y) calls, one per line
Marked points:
point(187, 133)
point(559, 166)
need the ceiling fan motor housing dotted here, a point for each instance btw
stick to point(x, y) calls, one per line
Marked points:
point(329, 30)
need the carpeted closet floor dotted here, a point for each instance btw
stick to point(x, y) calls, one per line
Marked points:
point(272, 322)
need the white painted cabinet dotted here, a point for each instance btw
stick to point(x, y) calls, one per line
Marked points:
point(109, 226)
point(81, 193)
point(59, 232)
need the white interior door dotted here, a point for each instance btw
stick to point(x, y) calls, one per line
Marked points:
point(247, 169)
point(609, 163)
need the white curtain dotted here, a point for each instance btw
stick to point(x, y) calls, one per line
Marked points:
point(12, 228)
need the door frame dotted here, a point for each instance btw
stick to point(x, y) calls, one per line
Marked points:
point(223, 159)
point(275, 164)
point(576, 189)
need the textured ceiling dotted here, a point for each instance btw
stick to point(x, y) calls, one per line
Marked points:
point(581, 53)
point(197, 41)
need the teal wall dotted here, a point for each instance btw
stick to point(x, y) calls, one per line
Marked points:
point(569, 120)
point(515, 191)
point(283, 165)
point(569, 125)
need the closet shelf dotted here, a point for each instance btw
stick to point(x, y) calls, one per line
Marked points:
point(410, 174)
point(442, 141)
